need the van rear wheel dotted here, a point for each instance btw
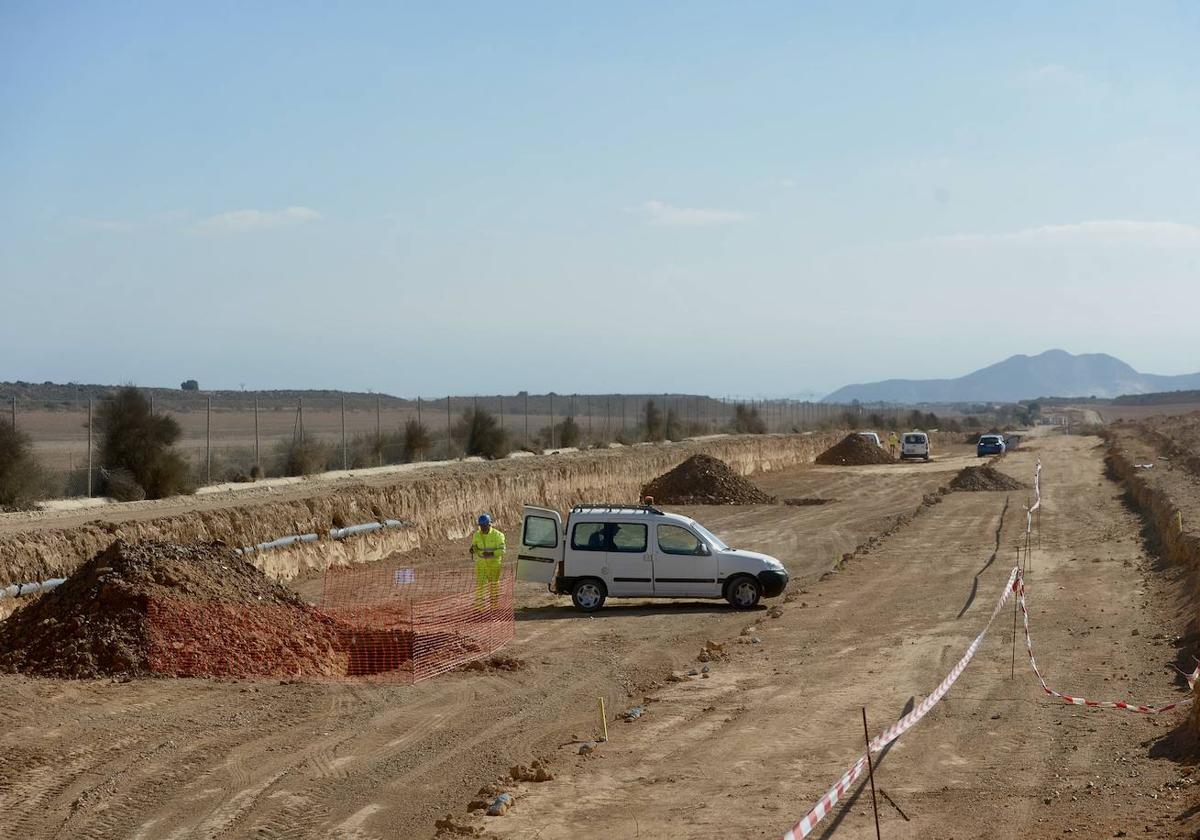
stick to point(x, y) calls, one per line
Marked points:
point(588, 594)
point(743, 592)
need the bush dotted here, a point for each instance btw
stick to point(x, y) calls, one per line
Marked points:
point(652, 421)
point(478, 433)
point(746, 421)
point(189, 385)
point(22, 480)
point(417, 441)
point(139, 441)
point(120, 485)
point(303, 456)
point(673, 429)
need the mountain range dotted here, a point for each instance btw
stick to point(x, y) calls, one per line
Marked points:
point(1054, 373)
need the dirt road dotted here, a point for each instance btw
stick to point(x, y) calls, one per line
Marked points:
point(739, 754)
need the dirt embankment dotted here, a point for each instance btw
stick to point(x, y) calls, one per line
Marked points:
point(1169, 498)
point(441, 500)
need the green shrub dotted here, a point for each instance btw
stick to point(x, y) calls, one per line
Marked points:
point(22, 480)
point(416, 441)
point(138, 441)
point(303, 456)
point(746, 420)
point(652, 421)
point(478, 433)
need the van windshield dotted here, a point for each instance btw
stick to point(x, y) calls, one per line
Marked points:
point(715, 542)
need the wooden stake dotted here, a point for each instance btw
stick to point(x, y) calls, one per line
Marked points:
point(603, 719)
point(871, 772)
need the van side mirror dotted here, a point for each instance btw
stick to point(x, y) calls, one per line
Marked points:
point(702, 550)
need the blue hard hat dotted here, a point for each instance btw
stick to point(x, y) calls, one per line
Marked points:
point(484, 519)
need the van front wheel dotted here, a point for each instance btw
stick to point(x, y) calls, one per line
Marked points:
point(743, 592)
point(588, 594)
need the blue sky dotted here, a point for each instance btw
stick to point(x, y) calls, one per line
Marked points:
point(766, 199)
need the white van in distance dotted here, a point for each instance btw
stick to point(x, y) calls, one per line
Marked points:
point(638, 551)
point(914, 445)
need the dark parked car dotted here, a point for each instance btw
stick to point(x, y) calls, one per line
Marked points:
point(990, 445)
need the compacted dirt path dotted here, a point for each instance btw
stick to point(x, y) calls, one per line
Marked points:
point(746, 751)
point(738, 754)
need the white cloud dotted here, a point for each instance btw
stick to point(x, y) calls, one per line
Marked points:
point(665, 215)
point(244, 221)
point(1100, 230)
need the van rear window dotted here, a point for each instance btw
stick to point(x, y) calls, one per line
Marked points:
point(914, 438)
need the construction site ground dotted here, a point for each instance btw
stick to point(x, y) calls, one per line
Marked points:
point(741, 753)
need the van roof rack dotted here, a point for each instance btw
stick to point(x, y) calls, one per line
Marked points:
point(608, 506)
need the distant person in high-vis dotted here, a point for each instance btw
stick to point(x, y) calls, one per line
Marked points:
point(893, 442)
point(487, 547)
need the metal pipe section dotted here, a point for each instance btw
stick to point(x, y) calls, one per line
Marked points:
point(17, 590)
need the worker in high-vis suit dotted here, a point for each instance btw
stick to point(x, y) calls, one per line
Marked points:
point(487, 547)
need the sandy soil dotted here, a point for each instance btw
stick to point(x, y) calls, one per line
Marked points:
point(740, 754)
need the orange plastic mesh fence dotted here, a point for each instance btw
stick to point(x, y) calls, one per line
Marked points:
point(414, 623)
point(395, 624)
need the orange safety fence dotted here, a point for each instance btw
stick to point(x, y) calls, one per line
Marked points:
point(386, 624)
point(414, 623)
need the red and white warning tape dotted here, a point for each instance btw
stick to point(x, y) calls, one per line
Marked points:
point(825, 804)
point(1083, 701)
point(1016, 583)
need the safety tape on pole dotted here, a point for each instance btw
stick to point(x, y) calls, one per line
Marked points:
point(1083, 701)
point(825, 804)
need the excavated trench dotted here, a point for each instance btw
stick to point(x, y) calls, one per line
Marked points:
point(438, 502)
point(1178, 542)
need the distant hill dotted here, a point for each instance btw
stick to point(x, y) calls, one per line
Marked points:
point(1055, 373)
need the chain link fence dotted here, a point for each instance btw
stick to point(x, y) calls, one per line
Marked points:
point(233, 436)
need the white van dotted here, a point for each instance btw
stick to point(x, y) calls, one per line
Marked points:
point(914, 445)
point(638, 551)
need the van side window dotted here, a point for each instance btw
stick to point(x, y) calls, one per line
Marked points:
point(675, 540)
point(540, 532)
point(628, 536)
point(589, 536)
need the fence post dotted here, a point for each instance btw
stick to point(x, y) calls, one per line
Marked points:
point(378, 432)
point(502, 412)
point(257, 458)
point(208, 440)
point(418, 411)
point(300, 416)
point(526, 419)
point(89, 466)
point(448, 427)
point(551, 419)
point(14, 412)
point(345, 452)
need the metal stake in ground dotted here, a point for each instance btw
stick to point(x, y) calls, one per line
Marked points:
point(871, 771)
point(208, 440)
point(89, 479)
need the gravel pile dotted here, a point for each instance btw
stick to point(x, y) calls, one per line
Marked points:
point(984, 478)
point(703, 480)
point(854, 450)
point(165, 608)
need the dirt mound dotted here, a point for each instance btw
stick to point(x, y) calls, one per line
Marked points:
point(703, 480)
point(984, 478)
point(853, 450)
point(165, 608)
